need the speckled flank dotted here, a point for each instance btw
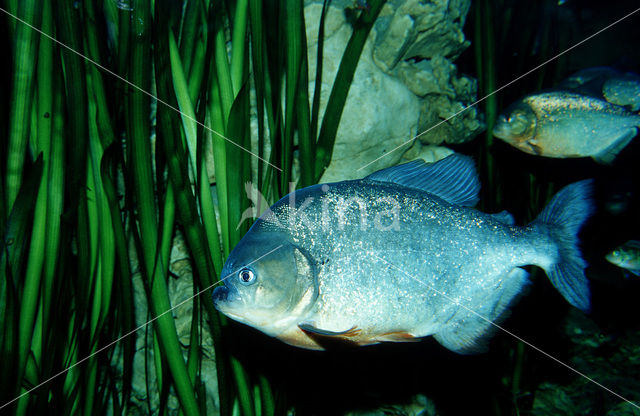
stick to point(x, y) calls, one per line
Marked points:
point(461, 252)
point(384, 259)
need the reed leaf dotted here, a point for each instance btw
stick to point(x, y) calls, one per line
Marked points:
point(13, 258)
point(486, 68)
point(238, 68)
point(42, 144)
point(108, 166)
point(154, 260)
point(177, 164)
point(293, 34)
point(54, 234)
point(189, 33)
point(24, 54)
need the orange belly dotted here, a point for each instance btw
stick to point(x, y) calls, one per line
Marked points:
point(355, 337)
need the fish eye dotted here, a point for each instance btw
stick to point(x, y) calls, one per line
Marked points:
point(246, 276)
point(518, 122)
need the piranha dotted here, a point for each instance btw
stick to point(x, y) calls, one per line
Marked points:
point(623, 90)
point(564, 124)
point(589, 81)
point(397, 256)
point(627, 256)
point(620, 88)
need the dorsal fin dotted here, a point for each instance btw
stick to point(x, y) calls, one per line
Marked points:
point(453, 178)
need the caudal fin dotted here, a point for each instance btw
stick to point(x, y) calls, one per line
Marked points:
point(563, 217)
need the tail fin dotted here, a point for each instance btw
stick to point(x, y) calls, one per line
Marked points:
point(563, 217)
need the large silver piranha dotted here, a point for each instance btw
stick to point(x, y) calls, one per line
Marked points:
point(397, 256)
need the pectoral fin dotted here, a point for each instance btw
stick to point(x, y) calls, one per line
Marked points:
point(324, 332)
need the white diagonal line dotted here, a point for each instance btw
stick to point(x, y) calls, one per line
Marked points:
point(503, 87)
point(110, 72)
point(449, 298)
point(132, 331)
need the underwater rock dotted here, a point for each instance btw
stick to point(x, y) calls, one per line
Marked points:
point(552, 400)
point(429, 153)
point(421, 79)
point(432, 76)
point(422, 59)
point(393, 42)
point(383, 110)
point(380, 113)
point(437, 76)
point(444, 94)
point(415, 29)
point(458, 128)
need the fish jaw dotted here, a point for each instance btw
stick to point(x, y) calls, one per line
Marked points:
point(226, 301)
point(262, 320)
point(223, 297)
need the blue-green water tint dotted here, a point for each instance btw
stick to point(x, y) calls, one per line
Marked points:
point(511, 378)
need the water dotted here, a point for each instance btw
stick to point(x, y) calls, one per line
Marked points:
point(108, 199)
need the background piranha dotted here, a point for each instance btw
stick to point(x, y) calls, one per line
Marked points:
point(564, 124)
point(627, 256)
point(619, 88)
point(397, 256)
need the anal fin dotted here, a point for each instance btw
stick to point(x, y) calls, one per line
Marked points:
point(469, 331)
point(607, 156)
point(349, 333)
point(398, 336)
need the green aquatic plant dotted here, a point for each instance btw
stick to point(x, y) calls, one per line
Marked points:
point(486, 68)
point(90, 196)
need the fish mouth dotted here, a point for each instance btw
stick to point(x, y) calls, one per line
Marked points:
point(501, 128)
point(223, 299)
point(234, 308)
point(220, 293)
